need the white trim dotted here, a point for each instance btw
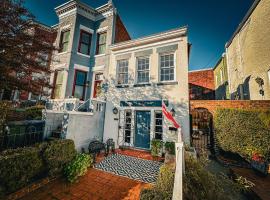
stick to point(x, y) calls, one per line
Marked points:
point(81, 67)
point(89, 30)
point(102, 29)
point(98, 68)
point(64, 52)
point(81, 54)
point(65, 27)
point(68, 13)
point(99, 55)
point(60, 66)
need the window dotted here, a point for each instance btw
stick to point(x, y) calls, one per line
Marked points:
point(42, 58)
point(64, 39)
point(158, 125)
point(143, 70)
point(97, 85)
point(122, 72)
point(58, 82)
point(79, 84)
point(101, 43)
point(167, 67)
point(85, 42)
point(127, 130)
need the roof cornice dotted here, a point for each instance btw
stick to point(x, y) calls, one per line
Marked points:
point(171, 34)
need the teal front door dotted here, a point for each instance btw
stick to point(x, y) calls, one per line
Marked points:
point(142, 129)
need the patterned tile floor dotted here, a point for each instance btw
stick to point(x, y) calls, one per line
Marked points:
point(95, 185)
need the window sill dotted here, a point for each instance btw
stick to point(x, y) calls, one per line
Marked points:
point(168, 83)
point(122, 86)
point(85, 55)
point(142, 84)
point(99, 55)
point(61, 53)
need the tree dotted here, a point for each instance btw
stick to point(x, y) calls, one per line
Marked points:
point(23, 45)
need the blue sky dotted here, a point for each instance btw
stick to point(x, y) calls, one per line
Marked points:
point(211, 22)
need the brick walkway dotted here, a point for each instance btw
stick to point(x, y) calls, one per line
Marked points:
point(94, 185)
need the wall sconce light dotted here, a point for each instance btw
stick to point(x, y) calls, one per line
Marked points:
point(173, 112)
point(115, 110)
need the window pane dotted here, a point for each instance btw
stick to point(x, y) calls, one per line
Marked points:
point(84, 49)
point(66, 36)
point(102, 38)
point(78, 93)
point(85, 38)
point(59, 78)
point(167, 67)
point(64, 47)
point(143, 70)
point(80, 78)
point(102, 49)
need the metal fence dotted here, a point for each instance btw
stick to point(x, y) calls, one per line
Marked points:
point(20, 134)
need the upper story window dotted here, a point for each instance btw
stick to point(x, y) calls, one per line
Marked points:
point(101, 42)
point(143, 70)
point(79, 84)
point(85, 42)
point(122, 72)
point(167, 68)
point(64, 39)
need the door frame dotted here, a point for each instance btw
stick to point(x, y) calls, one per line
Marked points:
point(135, 129)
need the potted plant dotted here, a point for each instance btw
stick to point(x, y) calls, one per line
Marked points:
point(156, 147)
point(191, 151)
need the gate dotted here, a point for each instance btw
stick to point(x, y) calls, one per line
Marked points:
point(202, 129)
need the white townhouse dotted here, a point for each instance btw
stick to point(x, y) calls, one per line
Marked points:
point(141, 74)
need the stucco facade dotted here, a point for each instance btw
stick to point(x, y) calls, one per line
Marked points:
point(135, 97)
point(221, 79)
point(248, 55)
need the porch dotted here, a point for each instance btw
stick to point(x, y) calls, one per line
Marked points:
point(96, 184)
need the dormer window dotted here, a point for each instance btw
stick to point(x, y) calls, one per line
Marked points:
point(64, 39)
point(101, 43)
point(85, 42)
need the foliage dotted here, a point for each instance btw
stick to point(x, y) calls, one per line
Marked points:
point(4, 108)
point(78, 167)
point(21, 166)
point(243, 132)
point(23, 47)
point(265, 117)
point(244, 184)
point(34, 112)
point(198, 183)
point(57, 154)
point(156, 147)
point(170, 147)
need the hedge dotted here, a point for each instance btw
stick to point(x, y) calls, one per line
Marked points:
point(243, 132)
point(21, 166)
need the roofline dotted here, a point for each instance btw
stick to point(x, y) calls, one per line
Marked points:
point(130, 43)
point(249, 12)
point(198, 70)
point(42, 25)
point(219, 60)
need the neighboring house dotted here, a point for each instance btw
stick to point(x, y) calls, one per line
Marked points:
point(221, 79)
point(201, 84)
point(84, 36)
point(49, 35)
point(142, 73)
point(248, 55)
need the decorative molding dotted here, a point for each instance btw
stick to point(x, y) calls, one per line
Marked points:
point(81, 67)
point(143, 53)
point(103, 29)
point(89, 30)
point(124, 56)
point(84, 55)
point(98, 68)
point(100, 55)
point(170, 48)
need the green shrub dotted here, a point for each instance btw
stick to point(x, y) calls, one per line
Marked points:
point(34, 112)
point(4, 109)
point(170, 147)
point(57, 154)
point(156, 147)
point(78, 167)
point(19, 167)
point(243, 132)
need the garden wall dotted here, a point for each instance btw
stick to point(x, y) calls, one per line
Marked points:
point(213, 105)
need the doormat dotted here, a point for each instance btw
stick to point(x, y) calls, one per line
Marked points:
point(130, 167)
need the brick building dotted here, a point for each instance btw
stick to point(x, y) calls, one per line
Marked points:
point(201, 84)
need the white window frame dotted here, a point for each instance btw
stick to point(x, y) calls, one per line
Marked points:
point(137, 65)
point(174, 62)
point(117, 72)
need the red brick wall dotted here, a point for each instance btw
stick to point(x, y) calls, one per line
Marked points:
point(121, 33)
point(203, 78)
point(201, 84)
point(213, 105)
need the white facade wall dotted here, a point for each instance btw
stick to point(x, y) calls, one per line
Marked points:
point(176, 92)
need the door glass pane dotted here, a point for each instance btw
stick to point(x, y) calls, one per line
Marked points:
point(78, 92)
point(80, 78)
